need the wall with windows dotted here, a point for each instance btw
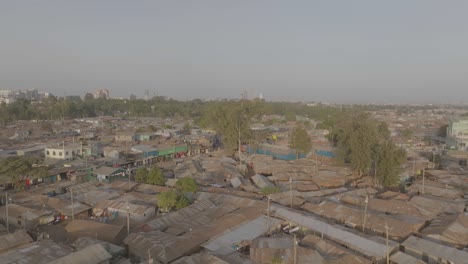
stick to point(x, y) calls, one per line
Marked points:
point(62, 153)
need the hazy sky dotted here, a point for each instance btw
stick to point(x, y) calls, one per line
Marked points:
point(340, 51)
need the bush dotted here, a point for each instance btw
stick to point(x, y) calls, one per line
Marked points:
point(141, 175)
point(156, 177)
point(167, 200)
point(187, 185)
point(171, 199)
point(270, 190)
point(182, 202)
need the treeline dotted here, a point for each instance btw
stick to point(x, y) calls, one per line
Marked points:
point(54, 108)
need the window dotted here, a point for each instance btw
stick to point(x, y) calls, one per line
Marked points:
point(60, 153)
point(53, 153)
point(66, 153)
point(48, 153)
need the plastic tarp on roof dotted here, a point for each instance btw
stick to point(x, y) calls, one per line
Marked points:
point(226, 243)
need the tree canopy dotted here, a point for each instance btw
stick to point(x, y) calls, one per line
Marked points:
point(167, 200)
point(300, 140)
point(186, 185)
point(365, 144)
point(15, 169)
point(156, 177)
point(232, 120)
point(141, 175)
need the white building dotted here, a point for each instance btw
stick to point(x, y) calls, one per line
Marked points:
point(457, 134)
point(63, 152)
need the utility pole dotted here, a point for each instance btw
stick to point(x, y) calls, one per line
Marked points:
point(6, 208)
point(295, 249)
point(128, 216)
point(366, 201)
point(386, 238)
point(423, 192)
point(290, 191)
point(150, 260)
point(268, 214)
point(72, 204)
point(316, 162)
point(129, 173)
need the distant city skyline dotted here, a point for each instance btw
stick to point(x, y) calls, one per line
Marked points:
point(331, 51)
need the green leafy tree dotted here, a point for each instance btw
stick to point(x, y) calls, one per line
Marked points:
point(167, 200)
point(182, 202)
point(141, 175)
point(356, 138)
point(365, 143)
point(300, 140)
point(186, 185)
point(389, 159)
point(407, 133)
point(187, 128)
point(290, 116)
point(14, 169)
point(276, 260)
point(156, 177)
point(232, 120)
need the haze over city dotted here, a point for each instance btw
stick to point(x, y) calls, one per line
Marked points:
point(339, 51)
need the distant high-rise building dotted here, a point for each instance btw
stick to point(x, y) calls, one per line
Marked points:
point(101, 94)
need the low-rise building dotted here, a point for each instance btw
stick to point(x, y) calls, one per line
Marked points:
point(457, 134)
point(109, 174)
point(63, 152)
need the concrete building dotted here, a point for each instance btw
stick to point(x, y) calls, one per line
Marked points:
point(63, 152)
point(457, 134)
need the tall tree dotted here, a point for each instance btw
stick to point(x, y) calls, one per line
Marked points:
point(232, 120)
point(389, 159)
point(358, 137)
point(300, 140)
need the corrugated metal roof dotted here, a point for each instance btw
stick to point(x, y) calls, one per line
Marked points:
point(200, 258)
point(261, 181)
point(186, 213)
point(437, 250)
point(42, 252)
point(338, 234)
point(107, 170)
point(84, 242)
point(403, 258)
point(121, 206)
point(93, 254)
point(13, 240)
point(225, 243)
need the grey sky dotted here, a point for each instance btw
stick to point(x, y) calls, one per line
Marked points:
point(341, 51)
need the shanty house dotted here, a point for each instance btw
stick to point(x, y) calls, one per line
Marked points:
point(138, 213)
point(109, 174)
